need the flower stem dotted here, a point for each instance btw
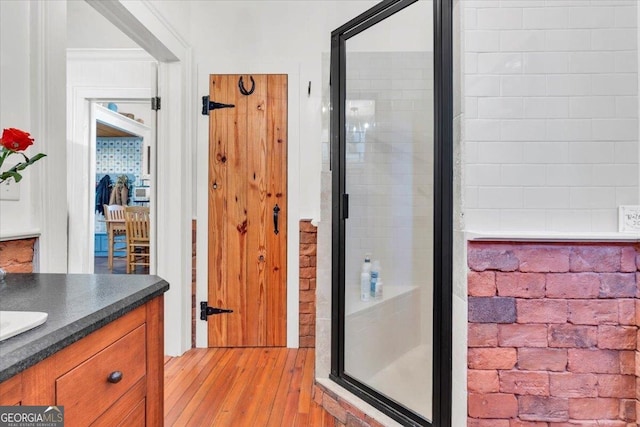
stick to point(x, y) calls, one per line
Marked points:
point(4, 155)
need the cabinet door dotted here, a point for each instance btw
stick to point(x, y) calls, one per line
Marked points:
point(104, 243)
point(100, 244)
point(11, 391)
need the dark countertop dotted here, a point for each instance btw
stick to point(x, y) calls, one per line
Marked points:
point(77, 304)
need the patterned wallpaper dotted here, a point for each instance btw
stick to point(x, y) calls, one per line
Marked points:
point(114, 157)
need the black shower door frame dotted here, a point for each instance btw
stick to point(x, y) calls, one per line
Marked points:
point(443, 212)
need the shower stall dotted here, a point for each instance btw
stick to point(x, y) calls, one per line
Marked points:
point(384, 205)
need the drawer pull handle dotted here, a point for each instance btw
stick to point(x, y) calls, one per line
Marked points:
point(114, 377)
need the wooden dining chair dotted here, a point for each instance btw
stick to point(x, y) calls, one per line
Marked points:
point(138, 241)
point(116, 232)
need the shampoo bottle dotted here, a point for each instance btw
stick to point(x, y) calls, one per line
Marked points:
point(375, 274)
point(378, 294)
point(365, 279)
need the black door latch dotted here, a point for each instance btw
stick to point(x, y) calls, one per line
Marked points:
point(208, 311)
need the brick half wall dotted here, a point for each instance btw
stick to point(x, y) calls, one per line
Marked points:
point(307, 306)
point(552, 334)
point(16, 256)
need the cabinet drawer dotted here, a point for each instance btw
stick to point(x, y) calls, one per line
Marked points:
point(135, 418)
point(86, 392)
point(128, 411)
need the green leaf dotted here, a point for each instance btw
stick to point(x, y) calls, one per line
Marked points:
point(36, 158)
point(10, 174)
point(13, 172)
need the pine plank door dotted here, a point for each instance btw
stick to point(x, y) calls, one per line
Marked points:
point(248, 211)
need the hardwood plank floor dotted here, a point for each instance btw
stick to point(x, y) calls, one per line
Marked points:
point(100, 266)
point(242, 387)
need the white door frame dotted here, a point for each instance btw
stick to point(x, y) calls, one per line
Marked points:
point(81, 214)
point(175, 121)
point(48, 96)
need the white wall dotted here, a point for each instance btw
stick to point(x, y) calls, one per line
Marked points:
point(176, 14)
point(247, 35)
point(551, 114)
point(17, 217)
point(408, 28)
point(32, 74)
point(88, 29)
point(270, 37)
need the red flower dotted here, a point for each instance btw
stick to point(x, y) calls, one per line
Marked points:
point(15, 139)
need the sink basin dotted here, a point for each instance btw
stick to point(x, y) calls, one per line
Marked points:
point(16, 322)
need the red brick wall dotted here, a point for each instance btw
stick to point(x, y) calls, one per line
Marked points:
point(344, 413)
point(16, 256)
point(552, 334)
point(308, 251)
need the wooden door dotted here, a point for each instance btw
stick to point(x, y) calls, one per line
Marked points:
point(247, 200)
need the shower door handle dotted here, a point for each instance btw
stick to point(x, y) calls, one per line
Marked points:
point(276, 210)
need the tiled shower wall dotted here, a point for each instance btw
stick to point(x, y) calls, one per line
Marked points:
point(402, 110)
point(390, 164)
point(551, 113)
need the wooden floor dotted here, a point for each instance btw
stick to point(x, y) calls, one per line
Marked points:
point(242, 387)
point(100, 266)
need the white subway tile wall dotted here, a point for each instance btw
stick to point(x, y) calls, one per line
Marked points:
point(390, 163)
point(551, 113)
point(389, 170)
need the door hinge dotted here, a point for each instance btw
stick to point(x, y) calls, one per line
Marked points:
point(212, 105)
point(208, 311)
point(155, 103)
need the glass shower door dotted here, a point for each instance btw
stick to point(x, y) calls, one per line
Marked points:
point(386, 166)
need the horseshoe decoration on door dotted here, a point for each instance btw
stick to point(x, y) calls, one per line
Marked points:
point(243, 90)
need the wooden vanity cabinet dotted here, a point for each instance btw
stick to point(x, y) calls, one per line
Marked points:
point(111, 377)
point(11, 391)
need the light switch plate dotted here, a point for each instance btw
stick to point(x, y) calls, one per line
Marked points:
point(10, 190)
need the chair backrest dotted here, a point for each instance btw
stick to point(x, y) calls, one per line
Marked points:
point(137, 209)
point(114, 212)
point(137, 222)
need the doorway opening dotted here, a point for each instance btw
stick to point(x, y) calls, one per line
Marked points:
point(123, 150)
point(111, 81)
